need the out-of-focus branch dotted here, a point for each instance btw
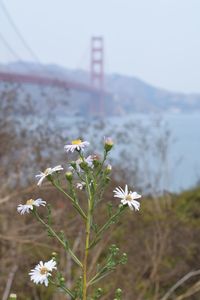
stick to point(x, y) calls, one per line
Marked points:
point(9, 282)
point(179, 283)
point(26, 241)
point(195, 288)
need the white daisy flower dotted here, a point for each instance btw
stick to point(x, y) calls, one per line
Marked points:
point(128, 197)
point(88, 160)
point(25, 208)
point(47, 172)
point(41, 272)
point(76, 145)
point(80, 185)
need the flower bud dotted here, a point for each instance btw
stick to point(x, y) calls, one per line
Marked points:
point(99, 292)
point(69, 176)
point(124, 259)
point(54, 254)
point(108, 169)
point(118, 293)
point(84, 165)
point(73, 164)
point(108, 144)
point(96, 160)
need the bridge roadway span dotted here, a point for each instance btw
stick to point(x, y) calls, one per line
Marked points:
point(40, 80)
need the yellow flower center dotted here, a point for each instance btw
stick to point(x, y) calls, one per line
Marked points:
point(46, 172)
point(129, 197)
point(76, 142)
point(30, 202)
point(43, 271)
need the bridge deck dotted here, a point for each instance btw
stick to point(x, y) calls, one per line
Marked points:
point(40, 80)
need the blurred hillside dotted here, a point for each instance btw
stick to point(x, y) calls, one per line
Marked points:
point(127, 94)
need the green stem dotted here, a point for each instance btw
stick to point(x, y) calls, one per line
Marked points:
point(72, 191)
point(76, 260)
point(87, 241)
point(106, 225)
point(102, 163)
point(90, 197)
point(79, 176)
point(87, 238)
point(67, 291)
point(63, 288)
point(98, 276)
point(75, 204)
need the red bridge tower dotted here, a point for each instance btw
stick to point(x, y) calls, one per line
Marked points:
point(97, 73)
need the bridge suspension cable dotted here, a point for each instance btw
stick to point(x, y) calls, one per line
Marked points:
point(17, 31)
point(9, 48)
point(15, 55)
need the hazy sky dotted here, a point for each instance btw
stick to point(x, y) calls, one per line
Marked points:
point(155, 40)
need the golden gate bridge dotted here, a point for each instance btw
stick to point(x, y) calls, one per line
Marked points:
point(95, 87)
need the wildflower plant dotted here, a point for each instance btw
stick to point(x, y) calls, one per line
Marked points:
point(90, 174)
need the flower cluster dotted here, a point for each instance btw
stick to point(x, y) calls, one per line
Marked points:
point(90, 174)
point(77, 164)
